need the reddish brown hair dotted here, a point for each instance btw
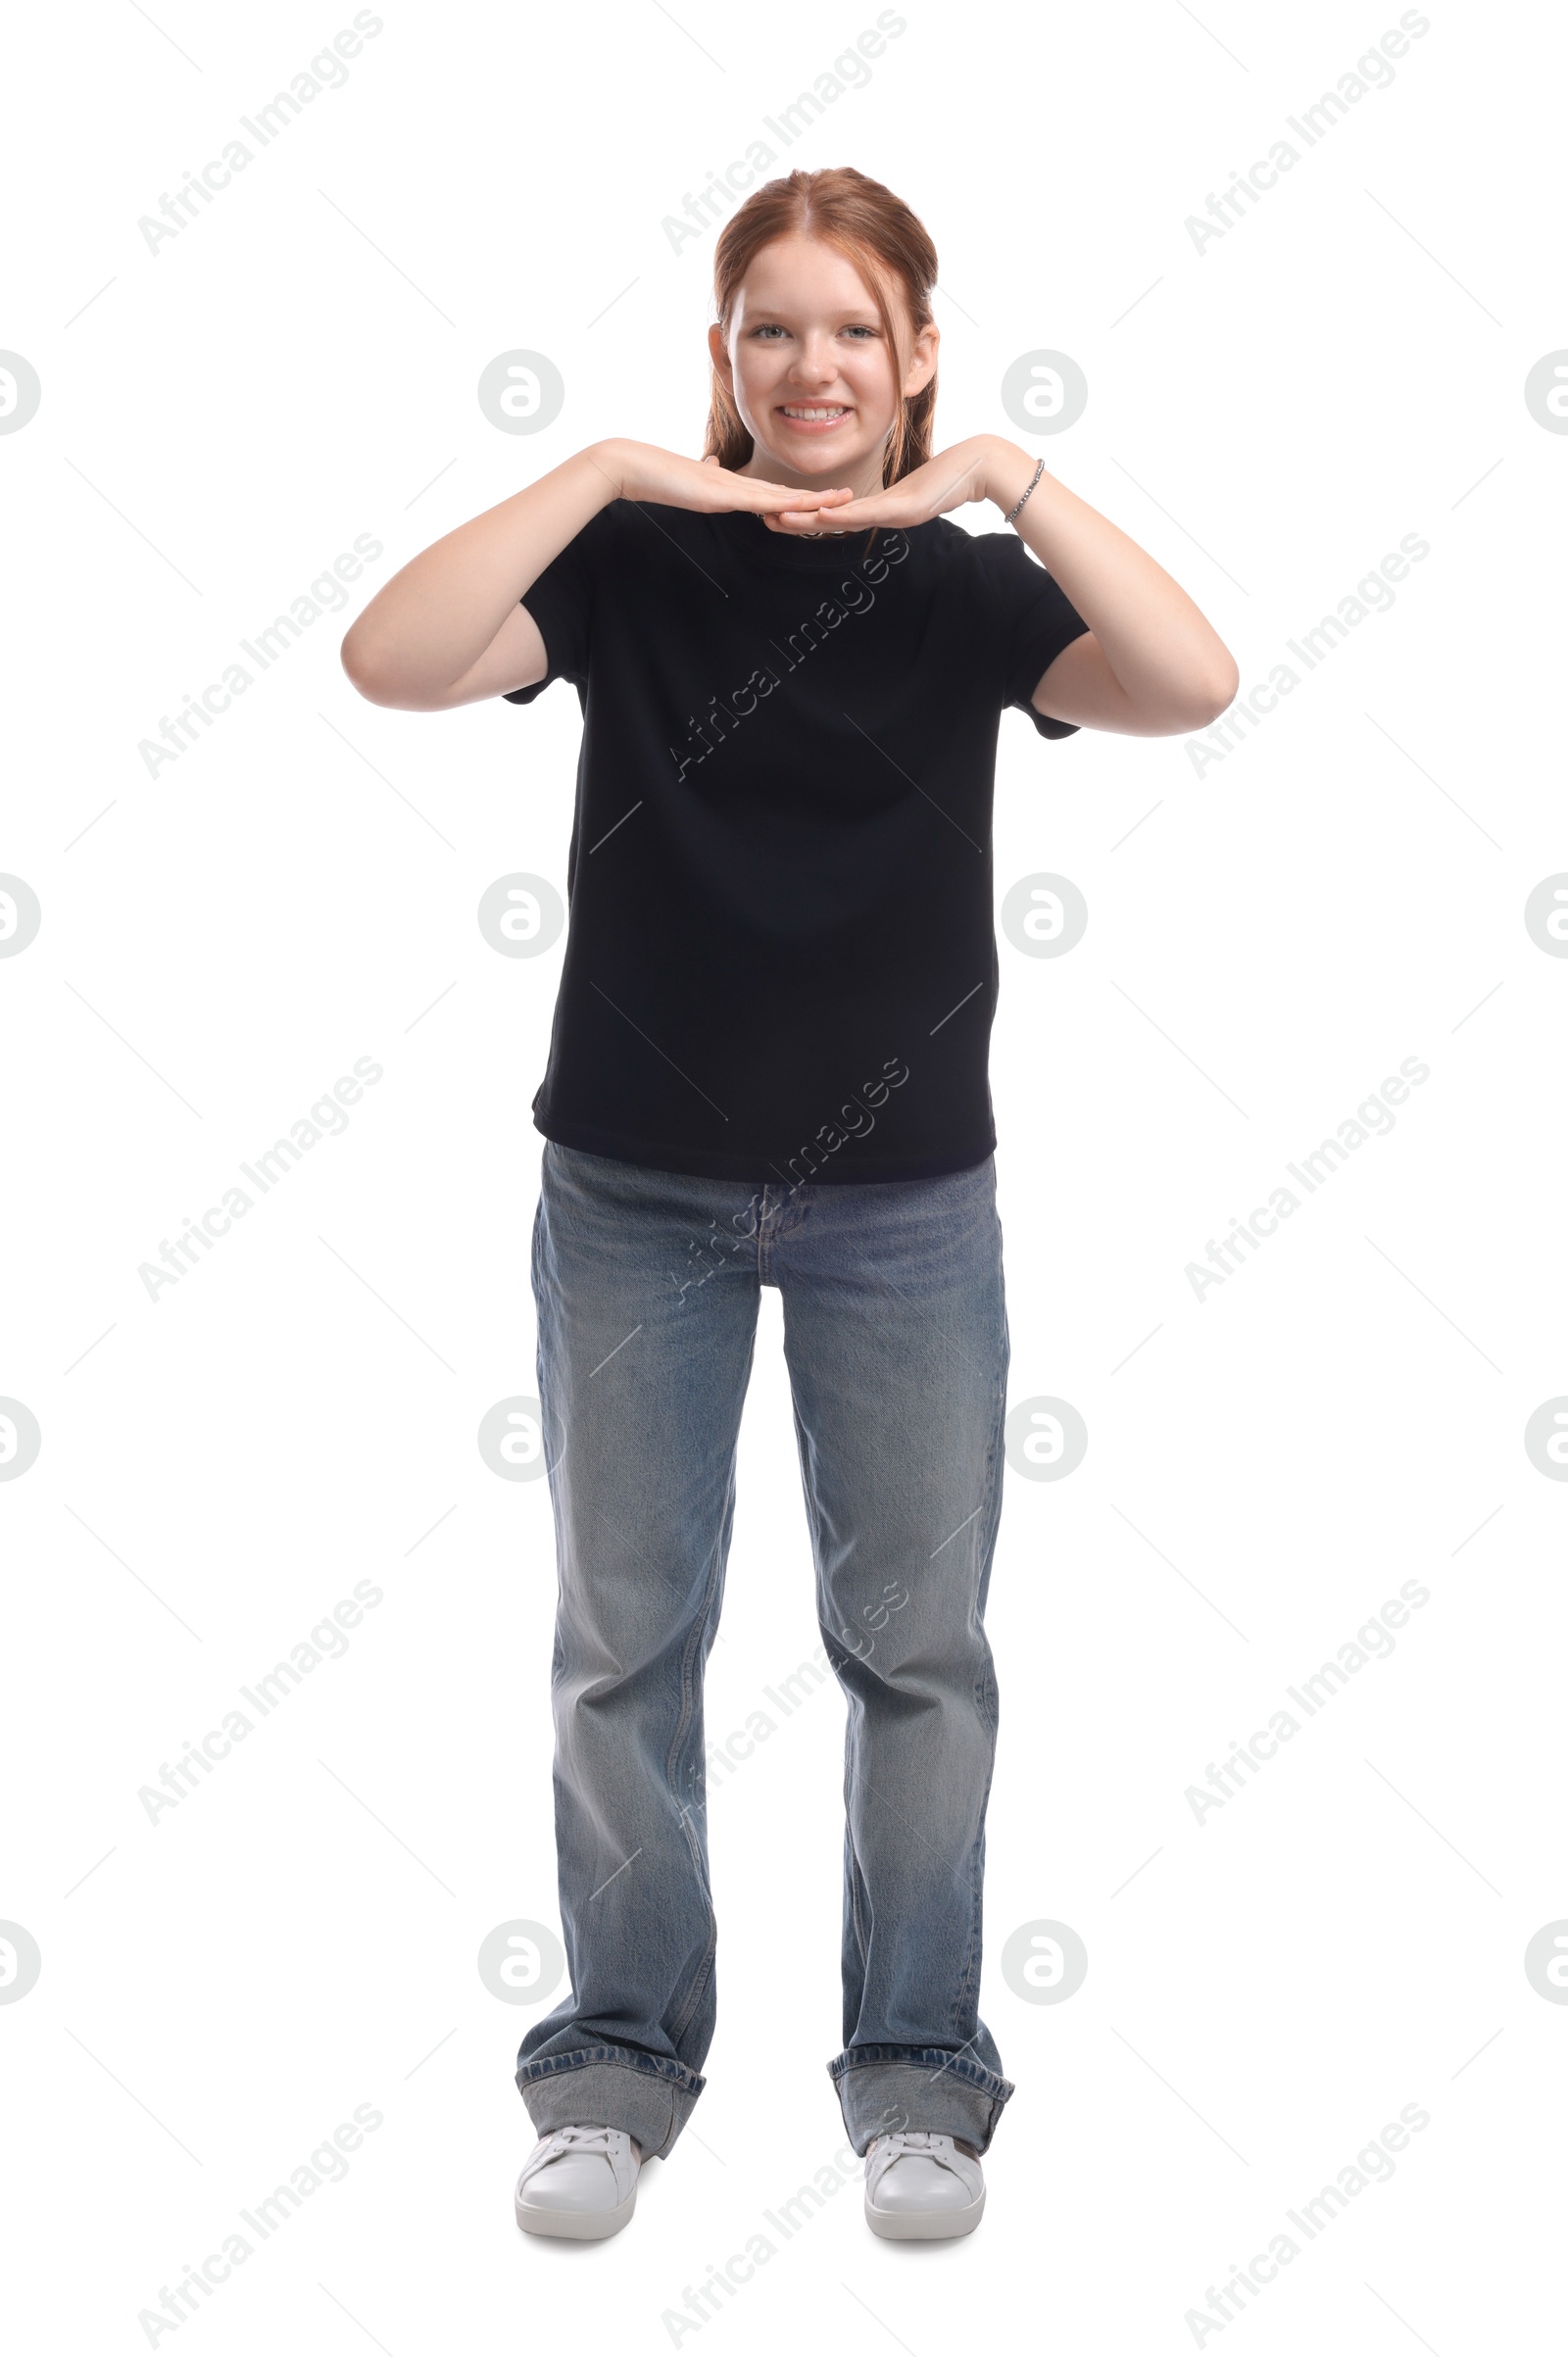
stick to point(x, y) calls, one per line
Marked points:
point(888, 245)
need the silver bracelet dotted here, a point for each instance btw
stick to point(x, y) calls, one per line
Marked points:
point(1033, 479)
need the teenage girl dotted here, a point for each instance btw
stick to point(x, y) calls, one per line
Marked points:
point(768, 1066)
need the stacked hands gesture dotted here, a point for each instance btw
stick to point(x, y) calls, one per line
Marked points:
point(642, 472)
point(452, 629)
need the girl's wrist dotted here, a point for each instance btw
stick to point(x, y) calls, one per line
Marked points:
point(1007, 471)
point(609, 465)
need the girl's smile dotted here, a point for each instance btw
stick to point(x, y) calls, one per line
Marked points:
point(814, 420)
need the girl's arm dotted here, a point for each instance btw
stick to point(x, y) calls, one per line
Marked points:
point(449, 629)
point(1149, 664)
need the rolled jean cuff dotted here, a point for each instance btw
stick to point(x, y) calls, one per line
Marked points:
point(610, 2087)
point(884, 2088)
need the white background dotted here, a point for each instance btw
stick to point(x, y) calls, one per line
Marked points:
point(1345, 367)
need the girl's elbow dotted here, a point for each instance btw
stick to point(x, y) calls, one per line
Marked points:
point(1213, 695)
point(363, 671)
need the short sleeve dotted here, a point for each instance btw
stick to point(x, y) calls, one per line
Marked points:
point(561, 603)
point(1036, 619)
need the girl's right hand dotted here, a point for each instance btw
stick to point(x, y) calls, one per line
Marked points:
point(665, 480)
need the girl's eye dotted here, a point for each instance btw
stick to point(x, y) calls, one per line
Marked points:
point(771, 328)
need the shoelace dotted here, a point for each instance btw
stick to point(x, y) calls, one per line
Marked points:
point(893, 2146)
point(579, 2140)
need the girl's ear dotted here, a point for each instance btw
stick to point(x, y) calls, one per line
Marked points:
point(923, 360)
point(719, 353)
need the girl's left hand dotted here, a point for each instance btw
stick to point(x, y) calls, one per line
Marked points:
point(952, 477)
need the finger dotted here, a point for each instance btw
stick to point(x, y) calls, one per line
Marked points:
point(859, 511)
point(790, 495)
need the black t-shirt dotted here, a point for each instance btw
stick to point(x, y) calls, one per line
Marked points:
point(780, 961)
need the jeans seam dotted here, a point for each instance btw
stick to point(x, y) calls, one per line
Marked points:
point(646, 2066)
point(852, 1880)
point(680, 2021)
point(970, 2073)
point(967, 1995)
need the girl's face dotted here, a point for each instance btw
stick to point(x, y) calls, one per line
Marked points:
point(810, 369)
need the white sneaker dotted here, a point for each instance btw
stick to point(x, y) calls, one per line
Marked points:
point(919, 2185)
point(580, 2182)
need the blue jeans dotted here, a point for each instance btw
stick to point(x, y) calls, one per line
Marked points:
point(647, 1284)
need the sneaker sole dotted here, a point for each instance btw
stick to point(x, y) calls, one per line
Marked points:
point(923, 2225)
point(577, 2226)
